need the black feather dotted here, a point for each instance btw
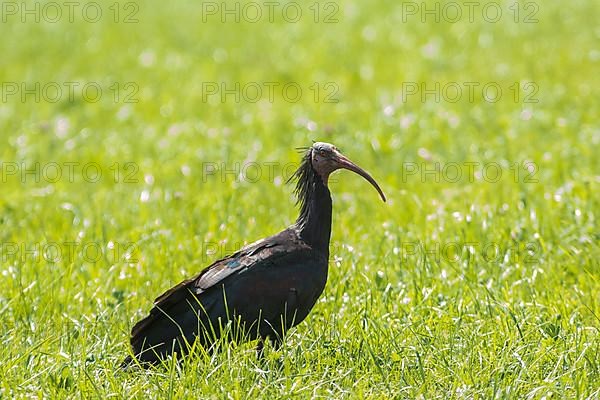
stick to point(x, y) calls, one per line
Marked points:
point(306, 178)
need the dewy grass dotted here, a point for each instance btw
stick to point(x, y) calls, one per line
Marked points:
point(142, 146)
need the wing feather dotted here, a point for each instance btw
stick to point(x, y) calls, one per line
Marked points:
point(238, 262)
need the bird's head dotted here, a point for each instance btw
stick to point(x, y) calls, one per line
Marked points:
point(326, 158)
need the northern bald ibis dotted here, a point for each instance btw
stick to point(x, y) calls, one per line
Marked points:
point(262, 290)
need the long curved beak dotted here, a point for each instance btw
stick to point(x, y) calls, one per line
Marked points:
point(344, 162)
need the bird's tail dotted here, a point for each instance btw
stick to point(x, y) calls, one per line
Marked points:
point(167, 331)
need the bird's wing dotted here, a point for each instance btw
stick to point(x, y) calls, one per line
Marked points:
point(252, 254)
point(236, 263)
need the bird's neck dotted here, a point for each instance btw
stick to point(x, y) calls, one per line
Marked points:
point(314, 222)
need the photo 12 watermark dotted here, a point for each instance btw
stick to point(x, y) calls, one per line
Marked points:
point(270, 11)
point(471, 92)
point(454, 252)
point(66, 252)
point(53, 12)
point(68, 172)
point(469, 172)
point(69, 91)
point(470, 11)
point(252, 92)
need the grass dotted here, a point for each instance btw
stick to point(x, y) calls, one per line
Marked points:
point(474, 287)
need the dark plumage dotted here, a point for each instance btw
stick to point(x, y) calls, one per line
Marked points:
point(263, 289)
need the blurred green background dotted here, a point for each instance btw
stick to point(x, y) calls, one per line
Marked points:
point(178, 109)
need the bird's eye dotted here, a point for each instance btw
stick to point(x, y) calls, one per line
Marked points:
point(322, 153)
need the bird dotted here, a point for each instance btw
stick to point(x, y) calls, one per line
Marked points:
point(260, 291)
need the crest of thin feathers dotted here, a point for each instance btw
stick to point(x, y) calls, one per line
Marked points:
point(305, 180)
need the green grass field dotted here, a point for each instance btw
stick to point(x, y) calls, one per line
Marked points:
point(141, 144)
